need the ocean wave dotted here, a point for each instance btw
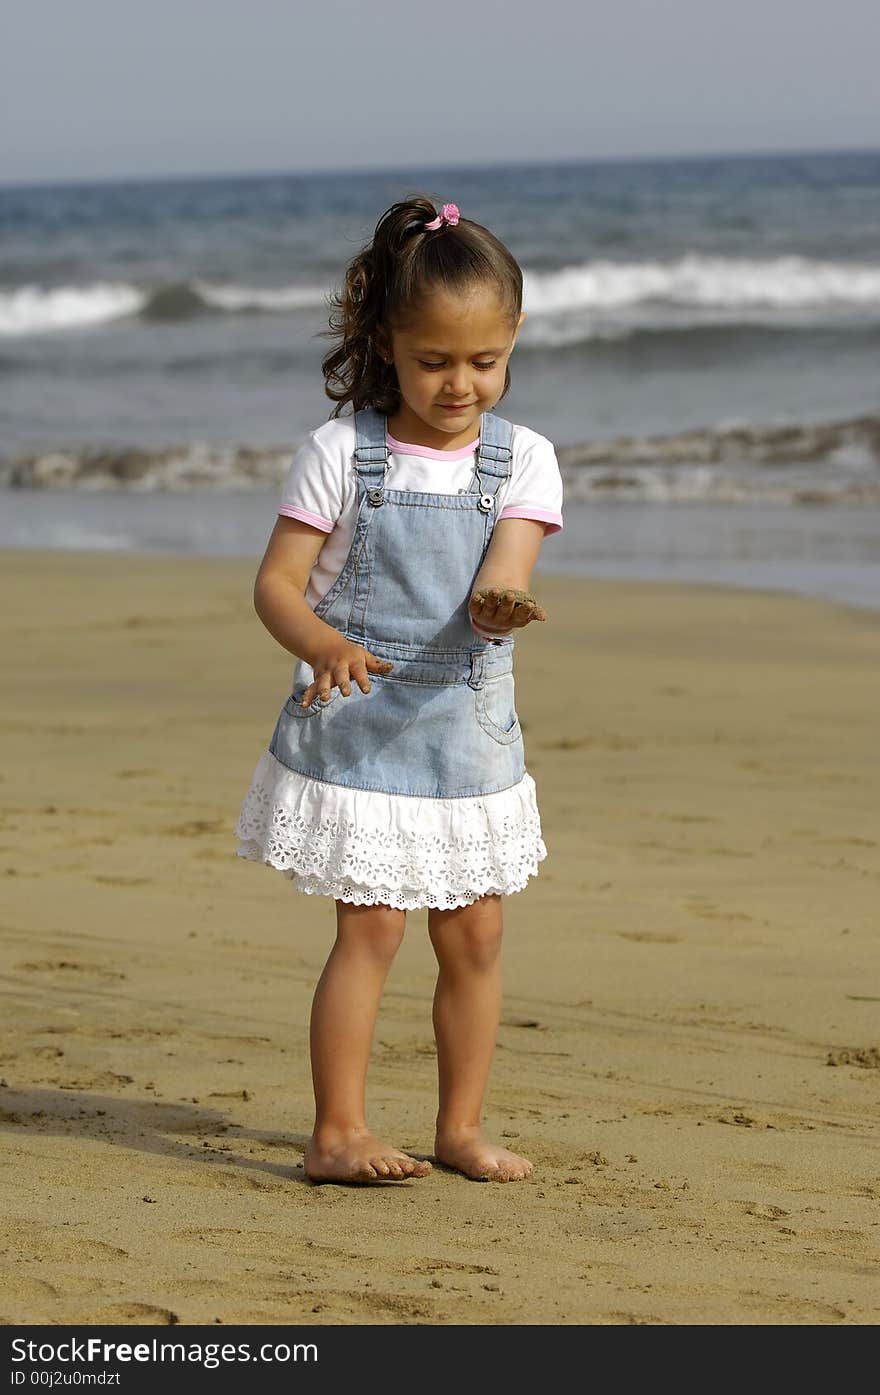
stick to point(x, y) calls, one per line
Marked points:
point(728, 332)
point(281, 298)
point(696, 280)
point(173, 468)
point(595, 299)
point(39, 310)
point(611, 301)
point(802, 463)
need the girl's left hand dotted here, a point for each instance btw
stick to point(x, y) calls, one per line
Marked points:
point(504, 607)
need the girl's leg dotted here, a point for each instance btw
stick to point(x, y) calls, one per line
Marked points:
point(467, 1005)
point(344, 1011)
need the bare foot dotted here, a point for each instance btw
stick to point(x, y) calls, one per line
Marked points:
point(469, 1152)
point(354, 1155)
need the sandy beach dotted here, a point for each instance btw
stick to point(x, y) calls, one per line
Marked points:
point(690, 1042)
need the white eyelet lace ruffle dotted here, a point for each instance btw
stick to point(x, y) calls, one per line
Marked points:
point(371, 848)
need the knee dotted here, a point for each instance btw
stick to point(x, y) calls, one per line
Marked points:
point(375, 931)
point(481, 946)
point(471, 942)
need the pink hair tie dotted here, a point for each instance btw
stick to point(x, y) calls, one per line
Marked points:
point(448, 214)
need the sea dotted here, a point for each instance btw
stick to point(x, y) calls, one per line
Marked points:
point(701, 344)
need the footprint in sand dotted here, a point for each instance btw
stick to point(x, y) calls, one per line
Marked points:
point(55, 966)
point(122, 881)
point(197, 827)
point(648, 937)
point(135, 1313)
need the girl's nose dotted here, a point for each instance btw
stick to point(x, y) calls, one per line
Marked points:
point(458, 384)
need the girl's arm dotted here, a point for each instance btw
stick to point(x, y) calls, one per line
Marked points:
point(279, 588)
point(500, 597)
point(279, 600)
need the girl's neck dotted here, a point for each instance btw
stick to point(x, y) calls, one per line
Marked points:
point(409, 429)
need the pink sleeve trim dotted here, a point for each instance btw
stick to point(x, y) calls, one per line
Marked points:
point(314, 518)
point(547, 516)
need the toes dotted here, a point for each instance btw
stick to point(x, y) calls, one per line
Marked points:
point(412, 1167)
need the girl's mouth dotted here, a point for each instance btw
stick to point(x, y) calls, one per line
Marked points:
point(462, 407)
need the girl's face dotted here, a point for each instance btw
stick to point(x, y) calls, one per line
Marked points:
point(451, 359)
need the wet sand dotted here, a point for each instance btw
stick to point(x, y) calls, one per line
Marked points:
point(692, 983)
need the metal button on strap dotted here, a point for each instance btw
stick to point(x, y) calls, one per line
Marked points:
point(376, 496)
point(486, 503)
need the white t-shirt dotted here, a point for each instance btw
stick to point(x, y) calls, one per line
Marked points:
point(321, 486)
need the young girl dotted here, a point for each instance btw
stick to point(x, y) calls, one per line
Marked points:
point(398, 572)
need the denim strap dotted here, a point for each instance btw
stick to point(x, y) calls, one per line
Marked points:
point(493, 453)
point(371, 454)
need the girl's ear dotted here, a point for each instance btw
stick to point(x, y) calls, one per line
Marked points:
point(382, 344)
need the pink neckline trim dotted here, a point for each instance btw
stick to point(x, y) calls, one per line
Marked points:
point(405, 448)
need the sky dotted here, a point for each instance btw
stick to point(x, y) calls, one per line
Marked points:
point(105, 89)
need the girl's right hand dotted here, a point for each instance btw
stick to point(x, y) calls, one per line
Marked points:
point(340, 662)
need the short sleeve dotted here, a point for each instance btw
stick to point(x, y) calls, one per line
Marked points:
point(313, 489)
point(535, 489)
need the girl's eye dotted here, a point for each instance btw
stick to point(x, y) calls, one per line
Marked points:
point(484, 366)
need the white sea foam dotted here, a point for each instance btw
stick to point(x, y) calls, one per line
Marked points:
point(694, 280)
point(259, 297)
point(595, 300)
point(818, 462)
point(39, 309)
point(35, 309)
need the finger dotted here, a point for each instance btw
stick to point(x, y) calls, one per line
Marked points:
point(504, 610)
point(486, 597)
point(361, 666)
point(374, 665)
point(523, 612)
point(491, 599)
point(342, 678)
point(320, 687)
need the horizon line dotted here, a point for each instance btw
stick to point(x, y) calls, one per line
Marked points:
point(365, 171)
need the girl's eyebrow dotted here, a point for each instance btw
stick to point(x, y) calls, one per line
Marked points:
point(441, 353)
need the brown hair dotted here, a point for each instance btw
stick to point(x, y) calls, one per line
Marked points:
point(383, 285)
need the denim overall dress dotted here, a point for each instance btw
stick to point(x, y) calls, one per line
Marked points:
point(414, 794)
point(442, 723)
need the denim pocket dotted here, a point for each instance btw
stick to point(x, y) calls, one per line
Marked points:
point(303, 677)
point(496, 711)
point(294, 708)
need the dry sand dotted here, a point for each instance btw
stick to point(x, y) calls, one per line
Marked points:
point(699, 947)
